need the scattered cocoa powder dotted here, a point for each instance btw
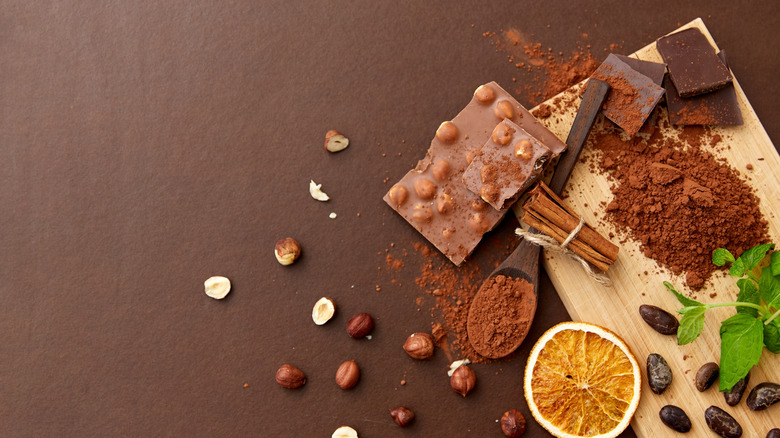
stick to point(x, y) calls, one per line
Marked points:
point(676, 198)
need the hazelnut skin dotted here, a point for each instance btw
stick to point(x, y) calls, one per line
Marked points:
point(463, 380)
point(513, 423)
point(402, 415)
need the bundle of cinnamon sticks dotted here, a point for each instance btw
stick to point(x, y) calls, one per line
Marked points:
point(546, 212)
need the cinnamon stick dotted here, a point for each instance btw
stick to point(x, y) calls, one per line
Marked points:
point(547, 212)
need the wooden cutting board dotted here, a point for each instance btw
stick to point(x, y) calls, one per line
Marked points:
point(617, 308)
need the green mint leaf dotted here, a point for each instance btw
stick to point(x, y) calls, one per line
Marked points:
point(691, 324)
point(721, 256)
point(737, 268)
point(775, 262)
point(748, 293)
point(769, 285)
point(752, 257)
point(741, 344)
point(685, 301)
point(772, 336)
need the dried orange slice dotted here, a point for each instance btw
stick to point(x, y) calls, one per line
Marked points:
point(582, 380)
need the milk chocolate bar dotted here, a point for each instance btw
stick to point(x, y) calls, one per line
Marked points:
point(693, 65)
point(632, 95)
point(719, 107)
point(509, 162)
point(432, 196)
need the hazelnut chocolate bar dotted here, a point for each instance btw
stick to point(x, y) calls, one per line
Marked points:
point(719, 107)
point(632, 95)
point(509, 162)
point(693, 65)
point(432, 196)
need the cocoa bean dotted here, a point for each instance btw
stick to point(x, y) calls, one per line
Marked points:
point(675, 418)
point(735, 395)
point(659, 374)
point(720, 422)
point(763, 396)
point(706, 376)
point(659, 319)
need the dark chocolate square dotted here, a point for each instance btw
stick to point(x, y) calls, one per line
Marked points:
point(693, 65)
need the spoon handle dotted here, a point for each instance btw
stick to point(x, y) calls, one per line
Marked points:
point(590, 106)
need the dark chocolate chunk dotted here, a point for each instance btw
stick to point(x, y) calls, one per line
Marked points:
point(693, 65)
point(719, 107)
point(632, 95)
point(653, 70)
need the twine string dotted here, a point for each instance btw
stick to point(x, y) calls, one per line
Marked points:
point(551, 244)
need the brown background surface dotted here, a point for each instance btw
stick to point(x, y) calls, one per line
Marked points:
point(147, 147)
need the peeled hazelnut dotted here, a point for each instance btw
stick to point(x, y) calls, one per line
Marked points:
point(360, 325)
point(422, 214)
point(419, 345)
point(425, 188)
point(502, 134)
point(290, 377)
point(470, 155)
point(398, 195)
point(347, 375)
point(323, 311)
point(441, 170)
point(488, 173)
point(513, 423)
point(287, 251)
point(447, 132)
point(479, 223)
point(315, 190)
point(217, 287)
point(345, 432)
point(448, 232)
point(504, 110)
point(489, 192)
point(463, 380)
point(402, 415)
point(524, 150)
point(478, 204)
point(335, 141)
point(484, 94)
point(444, 203)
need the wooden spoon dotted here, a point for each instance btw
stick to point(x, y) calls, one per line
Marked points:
point(496, 334)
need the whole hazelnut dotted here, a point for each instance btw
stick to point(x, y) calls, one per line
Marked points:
point(360, 325)
point(463, 380)
point(470, 155)
point(348, 374)
point(524, 150)
point(479, 223)
point(398, 195)
point(441, 170)
point(425, 188)
point(484, 94)
point(422, 214)
point(335, 141)
point(502, 134)
point(488, 173)
point(287, 376)
point(513, 423)
point(419, 345)
point(402, 415)
point(447, 232)
point(478, 204)
point(444, 203)
point(504, 110)
point(287, 251)
point(447, 132)
point(489, 192)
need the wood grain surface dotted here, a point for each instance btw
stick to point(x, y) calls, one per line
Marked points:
point(638, 280)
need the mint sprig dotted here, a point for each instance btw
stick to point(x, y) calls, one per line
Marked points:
point(755, 325)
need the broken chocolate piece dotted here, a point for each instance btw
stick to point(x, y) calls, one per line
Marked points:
point(450, 216)
point(509, 162)
point(719, 107)
point(632, 95)
point(693, 65)
point(653, 70)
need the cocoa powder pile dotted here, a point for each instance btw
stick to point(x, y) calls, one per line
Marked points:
point(676, 198)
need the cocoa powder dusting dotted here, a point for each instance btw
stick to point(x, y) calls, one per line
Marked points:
point(676, 198)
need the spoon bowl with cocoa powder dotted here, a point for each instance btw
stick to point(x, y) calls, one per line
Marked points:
point(503, 309)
